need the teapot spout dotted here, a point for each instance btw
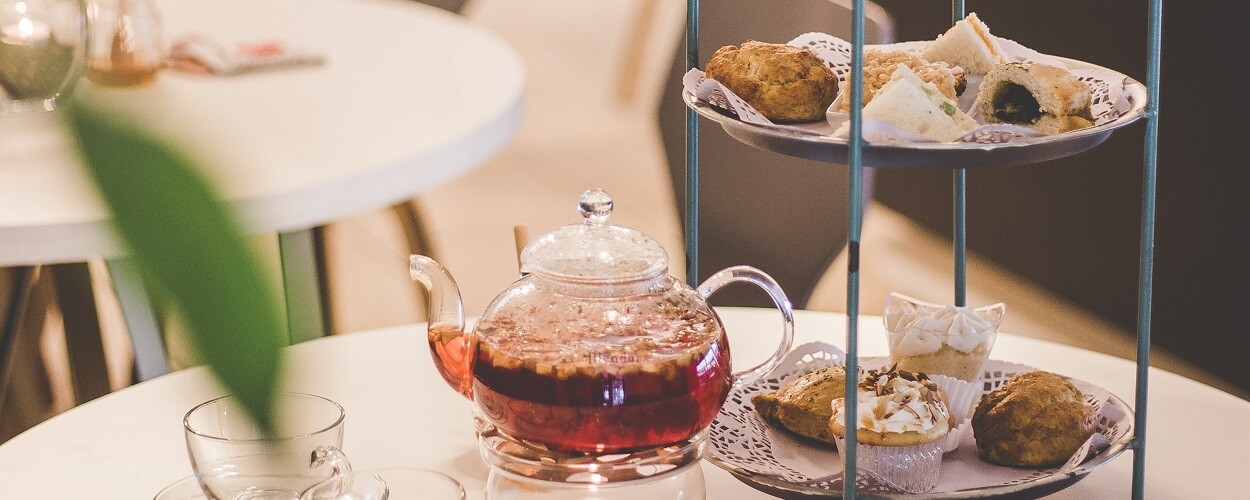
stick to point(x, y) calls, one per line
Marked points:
point(453, 348)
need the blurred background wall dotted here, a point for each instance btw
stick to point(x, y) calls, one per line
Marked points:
point(1070, 225)
point(1073, 225)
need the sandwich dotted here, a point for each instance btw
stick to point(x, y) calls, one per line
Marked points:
point(914, 105)
point(1046, 98)
point(967, 44)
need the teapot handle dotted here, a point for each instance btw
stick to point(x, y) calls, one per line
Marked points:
point(763, 280)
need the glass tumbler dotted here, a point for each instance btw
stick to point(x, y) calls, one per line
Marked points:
point(232, 460)
point(128, 45)
point(43, 50)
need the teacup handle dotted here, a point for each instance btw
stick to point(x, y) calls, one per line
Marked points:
point(340, 469)
point(763, 280)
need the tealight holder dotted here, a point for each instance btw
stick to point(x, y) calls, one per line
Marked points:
point(43, 51)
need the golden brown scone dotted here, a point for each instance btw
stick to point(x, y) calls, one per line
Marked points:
point(784, 83)
point(1046, 98)
point(802, 406)
point(879, 65)
point(1036, 419)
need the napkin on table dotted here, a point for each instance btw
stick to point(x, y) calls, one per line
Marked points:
point(199, 54)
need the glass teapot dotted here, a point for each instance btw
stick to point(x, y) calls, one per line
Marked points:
point(596, 349)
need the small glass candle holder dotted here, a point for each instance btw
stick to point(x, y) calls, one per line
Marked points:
point(128, 45)
point(43, 50)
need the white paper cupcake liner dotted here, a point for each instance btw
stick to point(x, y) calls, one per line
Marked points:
point(914, 469)
point(961, 399)
point(951, 441)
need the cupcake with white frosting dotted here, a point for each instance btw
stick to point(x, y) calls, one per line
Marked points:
point(901, 422)
point(941, 340)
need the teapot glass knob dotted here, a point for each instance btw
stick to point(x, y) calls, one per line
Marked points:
point(595, 205)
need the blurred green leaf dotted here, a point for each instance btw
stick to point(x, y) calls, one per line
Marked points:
point(191, 250)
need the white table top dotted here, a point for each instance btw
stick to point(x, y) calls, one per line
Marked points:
point(129, 444)
point(409, 97)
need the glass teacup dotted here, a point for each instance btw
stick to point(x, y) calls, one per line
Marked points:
point(232, 460)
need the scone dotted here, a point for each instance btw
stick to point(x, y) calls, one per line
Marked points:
point(784, 83)
point(1046, 98)
point(802, 406)
point(1036, 419)
point(879, 65)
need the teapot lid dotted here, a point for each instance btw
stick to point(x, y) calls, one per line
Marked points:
point(595, 250)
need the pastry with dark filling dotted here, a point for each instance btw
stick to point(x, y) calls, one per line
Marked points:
point(1047, 98)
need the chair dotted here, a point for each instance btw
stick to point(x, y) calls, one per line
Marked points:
point(784, 215)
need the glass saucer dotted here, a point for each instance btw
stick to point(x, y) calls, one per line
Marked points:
point(390, 483)
point(186, 488)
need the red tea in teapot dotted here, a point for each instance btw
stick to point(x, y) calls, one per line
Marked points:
point(611, 388)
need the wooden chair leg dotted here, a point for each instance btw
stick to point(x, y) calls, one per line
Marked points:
point(416, 234)
point(15, 286)
point(74, 294)
point(22, 366)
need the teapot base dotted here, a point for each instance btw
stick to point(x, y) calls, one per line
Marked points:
point(534, 465)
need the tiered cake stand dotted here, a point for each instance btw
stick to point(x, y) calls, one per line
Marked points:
point(958, 157)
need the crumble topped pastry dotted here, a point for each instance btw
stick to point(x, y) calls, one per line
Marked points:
point(879, 66)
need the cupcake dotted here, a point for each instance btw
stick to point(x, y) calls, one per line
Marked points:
point(901, 423)
point(941, 340)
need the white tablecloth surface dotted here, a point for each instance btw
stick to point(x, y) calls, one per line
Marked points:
point(129, 444)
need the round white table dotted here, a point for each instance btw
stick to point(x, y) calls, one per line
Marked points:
point(409, 97)
point(129, 444)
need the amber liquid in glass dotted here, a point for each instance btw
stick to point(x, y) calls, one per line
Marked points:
point(103, 73)
point(602, 395)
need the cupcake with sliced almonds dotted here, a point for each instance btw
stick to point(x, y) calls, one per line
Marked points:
point(901, 423)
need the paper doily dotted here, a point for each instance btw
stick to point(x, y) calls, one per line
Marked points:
point(761, 454)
